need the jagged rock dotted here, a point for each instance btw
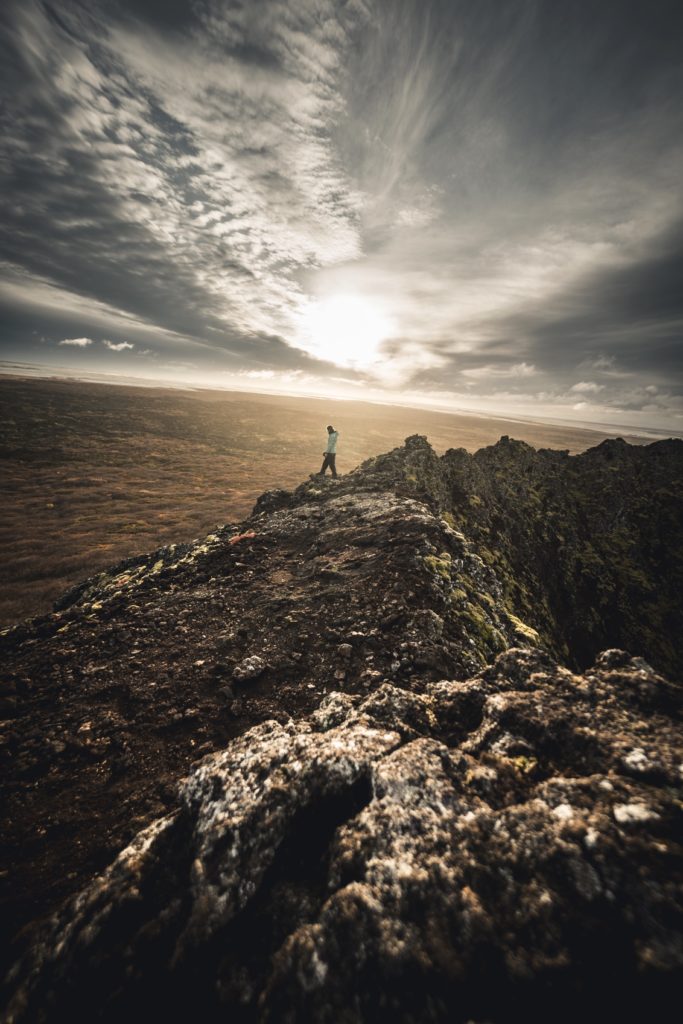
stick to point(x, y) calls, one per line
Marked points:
point(588, 548)
point(400, 582)
point(394, 858)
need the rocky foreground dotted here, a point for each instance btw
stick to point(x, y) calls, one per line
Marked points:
point(394, 802)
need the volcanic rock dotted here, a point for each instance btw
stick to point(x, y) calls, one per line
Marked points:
point(482, 850)
point(434, 798)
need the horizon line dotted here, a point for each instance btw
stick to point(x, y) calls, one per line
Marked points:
point(14, 368)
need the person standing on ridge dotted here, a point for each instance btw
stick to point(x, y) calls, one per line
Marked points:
point(330, 453)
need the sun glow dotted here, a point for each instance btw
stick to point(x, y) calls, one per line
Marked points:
point(346, 330)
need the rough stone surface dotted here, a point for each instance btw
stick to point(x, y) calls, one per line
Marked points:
point(396, 803)
point(342, 586)
point(250, 668)
point(589, 548)
point(485, 850)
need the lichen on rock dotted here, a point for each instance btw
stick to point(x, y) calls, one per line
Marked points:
point(388, 808)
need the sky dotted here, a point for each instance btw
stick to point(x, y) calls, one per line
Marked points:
point(467, 204)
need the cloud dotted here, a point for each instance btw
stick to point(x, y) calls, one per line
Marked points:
point(503, 184)
point(488, 372)
point(619, 319)
point(117, 346)
point(77, 342)
point(587, 386)
point(187, 179)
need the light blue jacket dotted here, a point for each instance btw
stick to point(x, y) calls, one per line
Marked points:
point(332, 442)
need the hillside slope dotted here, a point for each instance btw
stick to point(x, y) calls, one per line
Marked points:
point(448, 838)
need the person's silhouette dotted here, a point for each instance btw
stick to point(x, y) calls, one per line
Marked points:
point(330, 453)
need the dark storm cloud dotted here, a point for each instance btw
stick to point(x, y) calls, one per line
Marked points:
point(615, 337)
point(631, 316)
point(499, 183)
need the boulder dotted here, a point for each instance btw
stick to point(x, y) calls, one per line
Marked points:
point(483, 850)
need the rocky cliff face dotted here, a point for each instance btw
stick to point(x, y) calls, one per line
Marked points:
point(394, 801)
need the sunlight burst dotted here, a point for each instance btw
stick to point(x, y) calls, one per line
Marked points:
point(345, 329)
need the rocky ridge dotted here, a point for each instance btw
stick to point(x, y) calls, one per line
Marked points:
point(376, 811)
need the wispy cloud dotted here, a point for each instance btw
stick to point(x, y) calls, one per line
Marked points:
point(188, 178)
point(77, 342)
point(499, 183)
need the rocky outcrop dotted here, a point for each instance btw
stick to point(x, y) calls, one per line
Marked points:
point(589, 548)
point(146, 667)
point(505, 848)
point(395, 803)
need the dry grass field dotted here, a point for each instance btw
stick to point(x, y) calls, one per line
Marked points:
point(93, 473)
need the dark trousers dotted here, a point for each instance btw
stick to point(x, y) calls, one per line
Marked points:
point(329, 460)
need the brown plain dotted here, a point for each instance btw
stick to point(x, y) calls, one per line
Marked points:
point(93, 473)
